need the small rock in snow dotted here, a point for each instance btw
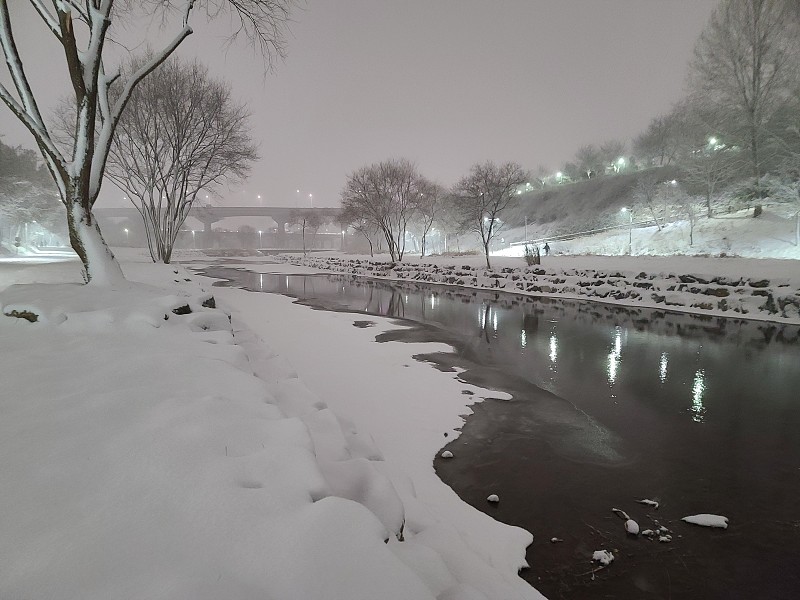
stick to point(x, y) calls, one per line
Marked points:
point(662, 530)
point(493, 498)
point(665, 539)
point(555, 540)
point(447, 454)
point(632, 527)
point(648, 502)
point(604, 557)
point(706, 520)
point(648, 532)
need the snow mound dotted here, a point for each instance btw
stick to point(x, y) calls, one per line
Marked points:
point(707, 520)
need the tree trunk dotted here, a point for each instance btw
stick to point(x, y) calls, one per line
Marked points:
point(486, 251)
point(797, 228)
point(100, 266)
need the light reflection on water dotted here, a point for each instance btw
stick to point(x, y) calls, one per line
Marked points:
point(651, 358)
point(704, 413)
point(698, 388)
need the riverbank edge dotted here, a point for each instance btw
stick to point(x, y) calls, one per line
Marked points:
point(748, 298)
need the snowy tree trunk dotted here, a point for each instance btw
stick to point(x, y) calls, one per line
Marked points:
point(100, 266)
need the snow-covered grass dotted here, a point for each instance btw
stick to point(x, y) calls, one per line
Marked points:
point(156, 448)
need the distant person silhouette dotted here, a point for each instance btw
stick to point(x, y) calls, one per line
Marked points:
point(546, 249)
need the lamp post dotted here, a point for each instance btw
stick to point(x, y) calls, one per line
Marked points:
point(311, 200)
point(630, 228)
point(194, 243)
point(127, 237)
point(260, 245)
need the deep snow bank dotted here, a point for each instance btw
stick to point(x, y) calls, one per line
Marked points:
point(155, 448)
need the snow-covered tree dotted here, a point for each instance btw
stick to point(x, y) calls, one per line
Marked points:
point(483, 196)
point(83, 28)
point(745, 62)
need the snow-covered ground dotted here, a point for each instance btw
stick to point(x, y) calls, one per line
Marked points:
point(155, 448)
point(771, 235)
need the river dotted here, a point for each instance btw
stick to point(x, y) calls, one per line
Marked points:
point(611, 405)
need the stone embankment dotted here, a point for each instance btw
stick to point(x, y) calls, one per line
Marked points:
point(776, 300)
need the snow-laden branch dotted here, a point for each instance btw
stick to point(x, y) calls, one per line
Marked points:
point(47, 17)
point(107, 130)
point(37, 129)
point(16, 69)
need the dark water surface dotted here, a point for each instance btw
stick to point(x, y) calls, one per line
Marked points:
point(612, 405)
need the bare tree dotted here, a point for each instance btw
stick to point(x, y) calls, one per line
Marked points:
point(428, 206)
point(484, 194)
point(384, 195)
point(181, 134)
point(611, 151)
point(711, 167)
point(666, 139)
point(647, 191)
point(82, 28)
point(744, 63)
point(688, 207)
point(307, 220)
point(589, 160)
point(786, 135)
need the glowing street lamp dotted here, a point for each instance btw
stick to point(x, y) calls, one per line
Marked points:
point(311, 200)
point(194, 242)
point(260, 245)
point(127, 237)
point(559, 176)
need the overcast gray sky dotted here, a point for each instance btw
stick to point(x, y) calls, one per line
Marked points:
point(445, 83)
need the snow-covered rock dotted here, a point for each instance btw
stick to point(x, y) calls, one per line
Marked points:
point(707, 520)
point(446, 454)
point(631, 527)
point(604, 557)
point(493, 498)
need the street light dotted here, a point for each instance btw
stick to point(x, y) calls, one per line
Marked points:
point(127, 237)
point(630, 228)
point(260, 245)
point(194, 243)
point(311, 200)
point(559, 176)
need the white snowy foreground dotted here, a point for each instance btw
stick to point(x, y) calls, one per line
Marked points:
point(153, 448)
